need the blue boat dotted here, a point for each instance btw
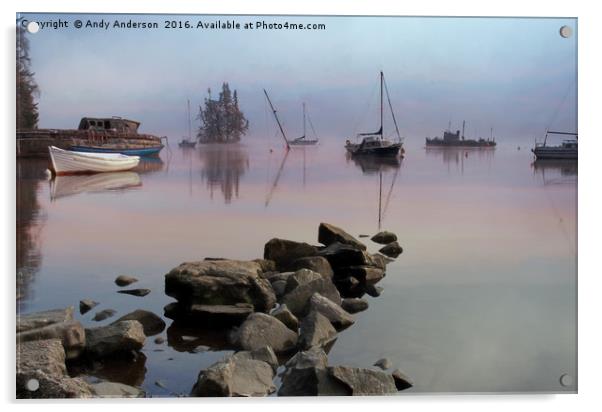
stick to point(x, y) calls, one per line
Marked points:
point(130, 150)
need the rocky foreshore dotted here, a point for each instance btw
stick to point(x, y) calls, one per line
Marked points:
point(281, 314)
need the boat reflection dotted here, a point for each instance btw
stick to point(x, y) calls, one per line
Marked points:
point(457, 155)
point(556, 171)
point(64, 186)
point(222, 166)
point(375, 164)
point(149, 165)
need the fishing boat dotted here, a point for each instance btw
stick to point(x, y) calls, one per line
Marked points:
point(124, 149)
point(188, 142)
point(288, 146)
point(374, 143)
point(303, 141)
point(566, 150)
point(456, 140)
point(64, 162)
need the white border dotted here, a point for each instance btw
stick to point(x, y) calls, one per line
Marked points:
point(589, 191)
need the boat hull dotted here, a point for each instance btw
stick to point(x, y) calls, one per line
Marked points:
point(66, 162)
point(555, 153)
point(357, 150)
point(303, 143)
point(131, 151)
point(460, 143)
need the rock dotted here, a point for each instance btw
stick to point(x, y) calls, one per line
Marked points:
point(341, 255)
point(362, 235)
point(71, 333)
point(401, 380)
point(159, 340)
point(151, 323)
point(265, 354)
point(286, 316)
point(283, 252)
point(337, 316)
point(86, 305)
point(279, 288)
point(209, 315)
point(305, 375)
point(318, 264)
point(160, 384)
point(315, 330)
point(379, 261)
point(354, 305)
point(121, 337)
point(124, 280)
point(104, 314)
point(266, 265)
point(223, 282)
point(116, 390)
point(301, 277)
point(261, 330)
point(278, 276)
point(329, 234)
point(41, 372)
point(298, 299)
point(384, 237)
point(38, 320)
point(135, 292)
point(391, 250)
point(235, 376)
point(347, 284)
point(374, 291)
point(364, 381)
point(365, 274)
point(383, 363)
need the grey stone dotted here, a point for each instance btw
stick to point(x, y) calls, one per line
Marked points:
point(159, 340)
point(383, 363)
point(135, 292)
point(265, 354)
point(342, 255)
point(318, 264)
point(260, 330)
point(337, 316)
point(71, 334)
point(315, 330)
point(37, 320)
point(374, 291)
point(121, 337)
point(329, 234)
point(283, 252)
point(266, 265)
point(384, 237)
point(104, 314)
point(124, 280)
point(116, 390)
point(401, 380)
point(85, 305)
point(354, 305)
point(151, 323)
point(391, 250)
point(286, 316)
point(364, 381)
point(301, 277)
point(365, 274)
point(223, 282)
point(279, 287)
point(297, 300)
point(209, 315)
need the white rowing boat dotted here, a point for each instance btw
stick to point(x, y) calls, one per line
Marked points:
point(64, 162)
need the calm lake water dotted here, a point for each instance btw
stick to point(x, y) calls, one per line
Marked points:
point(482, 299)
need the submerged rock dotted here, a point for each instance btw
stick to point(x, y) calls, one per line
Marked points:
point(383, 363)
point(119, 338)
point(151, 323)
point(364, 381)
point(86, 305)
point(298, 299)
point(209, 315)
point(401, 380)
point(316, 330)
point(283, 251)
point(354, 305)
point(286, 316)
point(116, 390)
point(329, 234)
point(384, 237)
point(391, 250)
point(135, 292)
point(337, 316)
point(104, 314)
point(124, 280)
point(261, 330)
point(318, 264)
point(222, 282)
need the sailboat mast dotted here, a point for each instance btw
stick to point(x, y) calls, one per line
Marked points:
point(303, 119)
point(463, 124)
point(277, 120)
point(381, 105)
point(189, 124)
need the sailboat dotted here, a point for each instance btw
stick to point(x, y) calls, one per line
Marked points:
point(188, 142)
point(288, 146)
point(302, 141)
point(567, 150)
point(374, 143)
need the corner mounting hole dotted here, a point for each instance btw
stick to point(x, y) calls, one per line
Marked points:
point(32, 385)
point(566, 380)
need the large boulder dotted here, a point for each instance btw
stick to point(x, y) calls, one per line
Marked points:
point(297, 300)
point(364, 381)
point(384, 237)
point(286, 316)
point(86, 305)
point(265, 354)
point(391, 250)
point(354, 305)
point(220, 282)
point(151, 323)
point(318, 264)
point(260, 330)
point(53, 324)
point(115, 390)
point(316, 330)
point(306, 375)
point(329, 234)
point(337, 316)
point(301, 277)
point(235, 376)
point(283, 252)
point(212, 316)
point(401, 380)
point(365, 274)
point(343, 255)
point(41, 372)
point(119, 338)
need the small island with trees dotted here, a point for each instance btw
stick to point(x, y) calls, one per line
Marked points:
point(222, 121)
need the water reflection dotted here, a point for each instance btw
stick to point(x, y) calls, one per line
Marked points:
point(127, 371)
point(64, 186)
point(458, 155)
point(30, 221)
point(277, 176)
point(551, 170)
point(222, 166)
point(149, 165)
point(375, 164)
